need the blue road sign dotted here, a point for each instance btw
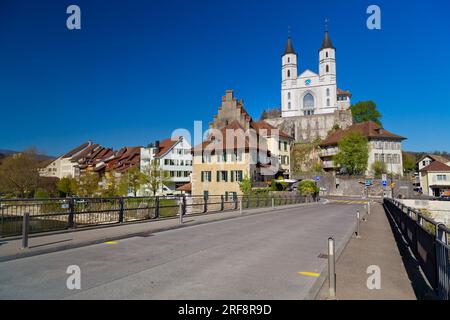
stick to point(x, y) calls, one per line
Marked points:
point(317, 178)
point(384, 183)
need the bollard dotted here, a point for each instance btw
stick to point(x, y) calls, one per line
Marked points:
point(273, 203)
point(180, 211)
point(25, 230)
point(368, 207)
point(331, 269)
point(240, 206)
point(357, 224)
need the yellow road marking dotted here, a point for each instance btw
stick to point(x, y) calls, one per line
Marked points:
point(111, 242)
point(309, 274)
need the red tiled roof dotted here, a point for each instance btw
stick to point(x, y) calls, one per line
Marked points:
point(77, 149)
point(436, 166)
point(185, 187)
point(165, 146)
point(343, 93)
point(368, 129)
point(126, 158)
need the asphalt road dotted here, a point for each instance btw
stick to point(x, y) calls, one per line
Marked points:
point(250, 257)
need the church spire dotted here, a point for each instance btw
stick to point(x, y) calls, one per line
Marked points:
point(326, 43)
point(289, 46)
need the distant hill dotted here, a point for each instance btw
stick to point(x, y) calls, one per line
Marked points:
point(5, 153)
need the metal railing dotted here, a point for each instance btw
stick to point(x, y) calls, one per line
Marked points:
point(429, 241)
point(60, 214)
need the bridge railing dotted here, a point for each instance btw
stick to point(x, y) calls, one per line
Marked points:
point(429, 241)
point(59, 214)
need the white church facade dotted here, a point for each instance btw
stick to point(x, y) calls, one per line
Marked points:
point(309, 93)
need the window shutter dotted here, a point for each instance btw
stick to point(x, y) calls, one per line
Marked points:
point(232, 176)
point(226, 176)
point(218, 176)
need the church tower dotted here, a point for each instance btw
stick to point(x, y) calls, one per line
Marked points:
point(289, 73)
point(327, 74)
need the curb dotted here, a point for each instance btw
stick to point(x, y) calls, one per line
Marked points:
point(22, 255)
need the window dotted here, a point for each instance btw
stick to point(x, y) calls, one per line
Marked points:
point(222, 176)
point(289, 60)
point(288, 73)
point(289, 105)
point(206, 176)
point(328, 92)
point(285, 146)
point(441, 177)
point(279, 145)
point(327, 69)
point(308, 101)
point(328, 102)
point(289, 95)
point(326, 54)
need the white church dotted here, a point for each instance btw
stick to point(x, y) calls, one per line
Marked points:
point(310, 93)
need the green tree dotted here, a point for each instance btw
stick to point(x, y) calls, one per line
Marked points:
point(409, 162)
point(353, 153)
point(19, 174)
point(155, 177)
point(245, 185)
point(379, 168)
point(308, 188)
point(88, 184)
point(132, 180)
point(67, 186)
point(365, 111)
point(111, 185)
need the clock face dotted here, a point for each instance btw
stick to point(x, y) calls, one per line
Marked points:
point(308, 82)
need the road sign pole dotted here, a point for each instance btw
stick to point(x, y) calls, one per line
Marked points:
point(357, 224)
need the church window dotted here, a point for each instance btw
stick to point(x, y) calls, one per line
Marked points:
point(289, 105)
point(328, 102)
point(328, 68)
point(289, 73)
point(289, 60)
point(326, 53)
point(289, 95)
point(328, 92)
point(308, 101)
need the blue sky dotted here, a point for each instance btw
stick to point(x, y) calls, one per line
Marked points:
point(137, 70)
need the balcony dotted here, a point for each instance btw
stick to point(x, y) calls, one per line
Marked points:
point(328, 152)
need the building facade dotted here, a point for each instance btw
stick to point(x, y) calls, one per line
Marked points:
point(435, 179)
point(310, 93)
point(384, 147)
point(172, 156)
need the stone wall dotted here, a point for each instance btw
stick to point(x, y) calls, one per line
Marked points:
point(309, 128)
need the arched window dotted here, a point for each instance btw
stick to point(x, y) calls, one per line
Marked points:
point(328, 102)
point(326, 53)
point(328, 68)
point(289, 73)
point(289, 96)
point(289, 105)
point(289, 60)
point(308, 101)
point(328, 92)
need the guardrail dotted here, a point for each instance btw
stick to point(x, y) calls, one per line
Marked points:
point(429, 241)
point(59, 214)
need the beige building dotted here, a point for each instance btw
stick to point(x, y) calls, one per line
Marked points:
point(238, 147)
point(435, 179)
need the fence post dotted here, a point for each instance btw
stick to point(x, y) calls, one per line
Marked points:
point(180, 210)
point(357, 224)
point(331, 269)
point(184, 205)
point(240, 205)
point(25, 230)
point(157, 207)
point(120, 209)
point(273, 203)
point(71, 213)
point(205, 203)
point(221, 203)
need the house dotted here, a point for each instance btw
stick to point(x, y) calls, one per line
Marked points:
point(427, 159)
point(173, 156)
point(238, 147)
point(435, 179)
point(384, 146)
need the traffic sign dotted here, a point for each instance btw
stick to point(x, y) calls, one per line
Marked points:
point(317, 178)
point(384, 184)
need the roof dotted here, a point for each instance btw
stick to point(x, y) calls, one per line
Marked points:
point(326, 43)
point(368, 129)
point(436, 166)
point(73, 152)
point(435, 157)
point(263, 125)
point(185, 187)
point(289, 47)
point(165, 146)
point(124, 159)
point(343, 93)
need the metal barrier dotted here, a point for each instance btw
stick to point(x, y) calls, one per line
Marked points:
point(429, 241)
point(59, 214)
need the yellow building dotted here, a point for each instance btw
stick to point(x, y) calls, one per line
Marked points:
point(238, 147)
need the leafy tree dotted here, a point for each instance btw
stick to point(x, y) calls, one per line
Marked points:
point(132, 180)
point(111, 185)
point(379, 168)
point(353, 153)
point(271, 113)
point(278, 185)
point(409, 162)
point(365, 111)
point(308, 188)
point(19, 175)
point(245, 185)
point(67, 186)
point(88, 184)
point(155, 177)
point(41, 194)
point(317, 168)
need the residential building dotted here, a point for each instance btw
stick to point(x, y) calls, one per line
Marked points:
point(172, 156)
point(435, 179)
point(427, 159)
point(310, 93)
point(384, 146)
point(238, 147)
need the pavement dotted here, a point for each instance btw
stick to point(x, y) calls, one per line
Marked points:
point(268, 255)
point(381, 245)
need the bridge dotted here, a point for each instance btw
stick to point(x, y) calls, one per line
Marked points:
point(266, 252)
